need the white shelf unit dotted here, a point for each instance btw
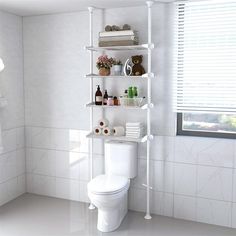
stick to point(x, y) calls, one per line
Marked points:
point(143, 107)
point(121, 48)
point(146, 78)
point(118, 138)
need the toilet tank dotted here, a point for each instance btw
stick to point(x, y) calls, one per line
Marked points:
point(121, 158)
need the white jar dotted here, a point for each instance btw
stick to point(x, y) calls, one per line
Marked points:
point(117, 69)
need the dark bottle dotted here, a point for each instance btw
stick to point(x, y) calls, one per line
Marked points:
point(105, 98)
point(116, 101)
point(98, 97)
point(135, 91)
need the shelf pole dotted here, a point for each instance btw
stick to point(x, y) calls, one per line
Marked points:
point(149, 5)
point(90, 9)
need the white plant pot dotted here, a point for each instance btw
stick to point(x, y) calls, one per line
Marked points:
point(117, 69)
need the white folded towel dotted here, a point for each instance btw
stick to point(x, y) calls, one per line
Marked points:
point(136, 124)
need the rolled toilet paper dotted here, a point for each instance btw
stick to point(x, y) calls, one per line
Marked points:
point(103, 123)
point(119, 131)
point(97, 131)
point(107, 131)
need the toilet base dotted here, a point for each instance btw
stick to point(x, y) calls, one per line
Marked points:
point(110, 220)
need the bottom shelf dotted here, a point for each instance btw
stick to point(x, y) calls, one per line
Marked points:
point(118, 138)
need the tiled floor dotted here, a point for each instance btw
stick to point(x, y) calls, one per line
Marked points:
point(32, 215)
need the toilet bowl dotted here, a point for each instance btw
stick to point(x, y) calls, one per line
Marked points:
point(109, 193)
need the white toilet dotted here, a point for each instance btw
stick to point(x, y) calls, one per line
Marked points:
point(109, 192)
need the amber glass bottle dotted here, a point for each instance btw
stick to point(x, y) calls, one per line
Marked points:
point(105, 98)
point(98, 96)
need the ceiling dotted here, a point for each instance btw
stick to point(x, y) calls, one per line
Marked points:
point(39, 7)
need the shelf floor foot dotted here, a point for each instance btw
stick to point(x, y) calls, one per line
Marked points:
point(91, 207)
point(147, 217)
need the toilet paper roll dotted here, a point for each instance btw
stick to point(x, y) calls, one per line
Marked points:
point(97, 131)
point(107, 131)
point(103, 123)
point(119, 131)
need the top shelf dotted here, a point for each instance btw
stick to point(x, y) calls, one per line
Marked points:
point(121, 48)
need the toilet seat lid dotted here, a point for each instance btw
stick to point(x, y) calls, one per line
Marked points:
point(108, 184)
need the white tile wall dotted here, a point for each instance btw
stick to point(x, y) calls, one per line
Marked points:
point(216, 152)
point(234, 215)
point(205, 151)
point(186, 150)
point(185, 207)
point(215, 183)
point(137, 198)
point(57, 139)
point(41, 184)
point(234, 185)
point(11, 82)
point(12, 189)
point(185, 179)
point(58, 162)
point(214, 212)
point(162, 203)
point(163, 176)
point(12, 173)
point(12, 157)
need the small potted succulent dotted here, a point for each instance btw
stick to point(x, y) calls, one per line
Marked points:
point(117, 67)
point(104, 64)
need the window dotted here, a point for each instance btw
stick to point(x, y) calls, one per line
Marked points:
point(208, 125)
point(205, 68)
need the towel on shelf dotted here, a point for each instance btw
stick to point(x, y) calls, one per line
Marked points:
point(134, 130)
point(136, 124)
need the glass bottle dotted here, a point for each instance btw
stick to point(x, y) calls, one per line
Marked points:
point(135, 92)
point(98, 96)
point(105, 98)
point(116, 102)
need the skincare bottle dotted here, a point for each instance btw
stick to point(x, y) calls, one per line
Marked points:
point(116, 102)
point(98, 96)
point(110, 101)
point(105, 98)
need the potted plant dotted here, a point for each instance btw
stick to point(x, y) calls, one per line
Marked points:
point(104, 64)
point(117, 67)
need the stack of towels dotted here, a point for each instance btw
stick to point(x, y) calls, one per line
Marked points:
point(118, 38)
point(134, 130)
